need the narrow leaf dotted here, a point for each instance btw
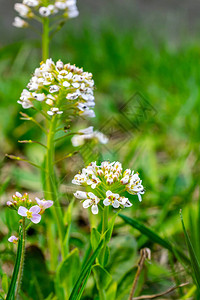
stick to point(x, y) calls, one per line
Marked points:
point(156, 238)
point(95, 238)
point(83, 286)
point(75, 292)
point(194, 261)
point(11, 291)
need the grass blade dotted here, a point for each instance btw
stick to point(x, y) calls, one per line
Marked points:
point(194, 261)
point(83, 285)
point(84, 272)
point(156, 238)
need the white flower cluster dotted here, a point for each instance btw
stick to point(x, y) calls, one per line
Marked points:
point(61, 87)
point(108, 182)
point(32, 8)
point(88, 134)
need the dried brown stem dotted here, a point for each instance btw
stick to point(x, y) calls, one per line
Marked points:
point(144, 254)
point(160, 294)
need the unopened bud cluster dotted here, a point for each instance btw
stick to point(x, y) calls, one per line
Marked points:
point(109, 183)
point(19, 199)
point(29, 9)
point(62, 88)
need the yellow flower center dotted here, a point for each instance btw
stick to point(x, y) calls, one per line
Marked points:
point(29, 214)
point(111, 199)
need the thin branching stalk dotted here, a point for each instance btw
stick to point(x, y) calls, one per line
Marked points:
point(19, 278)
point(148, 297)
point(144, 254)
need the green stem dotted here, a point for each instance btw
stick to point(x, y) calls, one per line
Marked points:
point(45, 39)
point(105, 219)
point(50, 183)
point(19, 278)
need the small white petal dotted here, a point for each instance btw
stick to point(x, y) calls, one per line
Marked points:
point(94, 209)
point(139, 197)
point(36, 218)
point(66, 84)
point(106, 202)
point(115, 204)
point(87, 203)
point(91, 195)
point(108, 193)
point(35, 209)
point(80, 195)
point(22, 211)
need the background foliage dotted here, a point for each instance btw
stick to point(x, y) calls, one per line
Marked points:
point(156, 78)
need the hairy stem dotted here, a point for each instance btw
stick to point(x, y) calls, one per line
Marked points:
point(19, 278)
point(51, 191)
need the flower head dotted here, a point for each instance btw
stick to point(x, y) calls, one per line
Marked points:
point(61, 88)
point(32, 209)
point(39, 8)
point(13, 239)
point(109, 184)
point(32, 213)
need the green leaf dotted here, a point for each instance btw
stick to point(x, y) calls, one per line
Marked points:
point(104, 256)
point(123, 252)
point(87, 268)
point(102, 277)
point(194, 261)
point(95, 238)
point(67, 271)
point(83, 286)
point(110, 228)
point(4, 283)
point(111, 291)
point(36, 282)
point(156, 238)
point(11, 291)
point(68, 221)
point(68, 214)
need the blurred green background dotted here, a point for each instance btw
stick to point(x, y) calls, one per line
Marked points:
point(145, 59)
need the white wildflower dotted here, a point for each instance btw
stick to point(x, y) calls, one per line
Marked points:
point(23, 10)
point(31, 3)
point(54, 111)
point(20, 23)
point(92, 201)
point(88, 134)
point(111, 199)
point(44, 11)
